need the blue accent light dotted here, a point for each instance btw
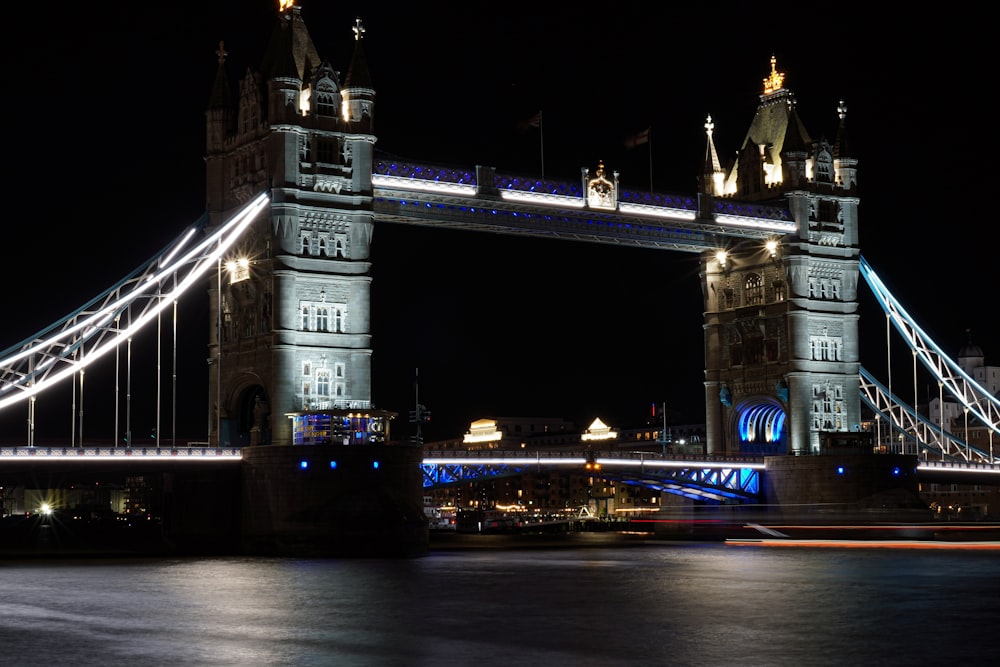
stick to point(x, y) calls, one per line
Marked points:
point(303, 464)
point(840, 470)
point(375, 465)
point(896, 471)
point(333, 465)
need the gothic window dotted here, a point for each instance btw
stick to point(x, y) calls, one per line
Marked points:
point(824, 169)
point(339, 389)
point(306, 369)
point(305, 318)
point(322, 246)
point(338, 319)
point(304, 245)
point(779, 290)
point(729, 298)
point(754, 286)
point(338, 371)
point(340, 246)
point(323, 383)
point(322, 318)
point(325, 105)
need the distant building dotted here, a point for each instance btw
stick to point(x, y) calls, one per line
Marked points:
point(966, 501)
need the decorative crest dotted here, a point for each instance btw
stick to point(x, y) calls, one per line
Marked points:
point(600, 191)
point(221, 53)
point(841, 110)
point(775, 81)
point(359, 30)
point(709, 125)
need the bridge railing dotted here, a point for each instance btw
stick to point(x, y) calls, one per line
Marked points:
point(576, 455)
point(41, 453)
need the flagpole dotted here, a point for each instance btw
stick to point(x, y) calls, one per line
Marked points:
point(541, 140)
point(649, 145)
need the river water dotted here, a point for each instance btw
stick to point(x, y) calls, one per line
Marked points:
point(595, 605)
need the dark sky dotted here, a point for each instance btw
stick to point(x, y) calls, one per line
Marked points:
point(104, 139)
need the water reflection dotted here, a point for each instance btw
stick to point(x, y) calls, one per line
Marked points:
point(677, 604)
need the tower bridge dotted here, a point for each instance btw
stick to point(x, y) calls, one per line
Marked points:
point(295, 191)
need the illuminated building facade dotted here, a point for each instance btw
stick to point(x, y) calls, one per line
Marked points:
point(290, 311)
point(781, 321)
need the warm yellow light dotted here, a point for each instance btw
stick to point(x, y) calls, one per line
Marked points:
point(775, 81)
point(285, 4)
point(239, 269)
point(720, 256)
point(772, 247)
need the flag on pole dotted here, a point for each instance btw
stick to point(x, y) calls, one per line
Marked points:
point(534, 121)
point(638, 139)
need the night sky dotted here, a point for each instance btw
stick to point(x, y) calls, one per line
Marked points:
point(104, 139)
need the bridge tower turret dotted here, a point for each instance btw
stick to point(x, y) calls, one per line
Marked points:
point(781, 321)
point(290, 327)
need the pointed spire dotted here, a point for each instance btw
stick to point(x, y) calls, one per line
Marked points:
point(841, 147)
point(291, 50)
point(712, 169)
point(358, 75)
point(219, 97)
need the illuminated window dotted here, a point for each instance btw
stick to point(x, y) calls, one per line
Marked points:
point(323, 383)
point(779, 290)
point(754, 286)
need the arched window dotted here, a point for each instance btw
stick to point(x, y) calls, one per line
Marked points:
point(305, 318)
point(322, 318)
point(325, 105)
point(338, 320)
point(323, 383)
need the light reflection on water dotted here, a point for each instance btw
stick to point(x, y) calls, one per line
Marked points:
point(664, 604)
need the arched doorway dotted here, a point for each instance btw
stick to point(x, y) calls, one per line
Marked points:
point(252, 418)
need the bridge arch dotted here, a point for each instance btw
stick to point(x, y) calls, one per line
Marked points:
point(246, 413)
point(759, 425)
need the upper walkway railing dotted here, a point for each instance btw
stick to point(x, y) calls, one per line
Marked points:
point(482, 200)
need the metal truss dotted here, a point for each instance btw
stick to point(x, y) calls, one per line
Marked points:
point(969, 393)
point(721, 482)
point(912, 426)
point(85, 335)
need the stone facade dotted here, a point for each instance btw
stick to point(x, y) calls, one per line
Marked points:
point(290, 327)
point(781, 320)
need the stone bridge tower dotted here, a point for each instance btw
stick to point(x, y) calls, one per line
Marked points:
point(290, 309)
point(781, 320)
